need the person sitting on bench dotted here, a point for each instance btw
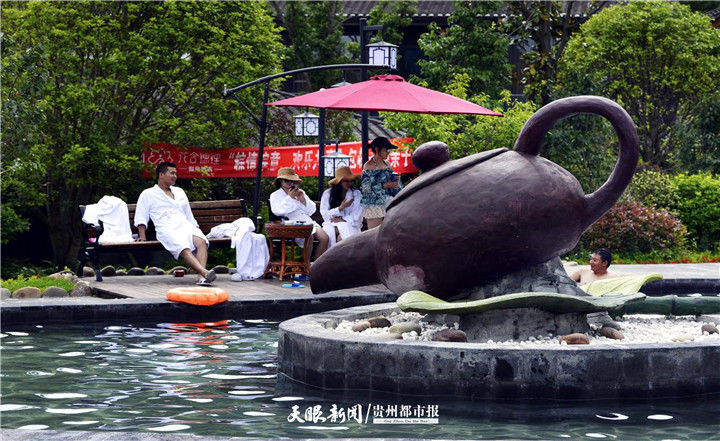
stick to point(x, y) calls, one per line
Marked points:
point(169, 209)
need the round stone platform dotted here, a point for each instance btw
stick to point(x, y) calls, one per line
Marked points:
point(311, 352)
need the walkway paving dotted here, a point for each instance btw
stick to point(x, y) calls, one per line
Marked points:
point(155, 287)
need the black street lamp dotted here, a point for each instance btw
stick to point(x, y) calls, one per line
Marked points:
point(364, 58)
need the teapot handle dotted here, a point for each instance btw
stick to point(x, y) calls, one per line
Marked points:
point(531, 136)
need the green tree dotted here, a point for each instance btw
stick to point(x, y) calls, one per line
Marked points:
point(85, 84)
point(470, 45)
point(655, 58)
point(542, 29)
point(466, 134)
point(395, 16)
point(314, 37)
point(697, 137)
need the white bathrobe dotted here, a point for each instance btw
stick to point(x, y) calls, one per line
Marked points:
point(251, 250)
point(282, 204)
point(174, 222)
point(113, 213)
point(352, 215)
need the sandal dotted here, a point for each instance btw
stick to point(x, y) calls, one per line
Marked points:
point(203, 282)
point(210, 276)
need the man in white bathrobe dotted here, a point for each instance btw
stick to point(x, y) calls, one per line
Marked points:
point(169, 209)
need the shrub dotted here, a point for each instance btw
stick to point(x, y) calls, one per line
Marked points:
point(632, 228)
point(652, 188)
point(39, 282)
point(698, 206)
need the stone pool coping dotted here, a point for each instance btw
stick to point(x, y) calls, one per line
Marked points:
point(17, 312)
point(310, 352)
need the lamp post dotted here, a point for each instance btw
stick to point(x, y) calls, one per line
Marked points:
point(364, 60)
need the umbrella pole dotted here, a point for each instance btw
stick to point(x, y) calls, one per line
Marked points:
point(258, 164)
point(321, 153)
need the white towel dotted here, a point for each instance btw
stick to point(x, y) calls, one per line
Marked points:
point(251, 250)
point(113, 213)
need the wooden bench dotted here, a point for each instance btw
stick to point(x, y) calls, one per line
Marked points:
point(207, 213)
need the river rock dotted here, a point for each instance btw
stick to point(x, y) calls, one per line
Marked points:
point(172, 271)
point(108, 271)
point(88, 272)
point(81, 289)
point(709, 328)
point(401, 328)
point(609, 332)
point(155, 271)
point(450, 335)
point(135, 271)
point(4, 293)
point(65, 275)
point(379, 322)
point(121, 272)
point(28, 292)
point(360, 327)
point(221, 269)
point(54, 291)
point(683, 337)
point(575, 339)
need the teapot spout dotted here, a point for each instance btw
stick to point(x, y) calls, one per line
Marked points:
point(348, 264)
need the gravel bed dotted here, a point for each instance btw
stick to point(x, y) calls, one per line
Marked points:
point(636, 328)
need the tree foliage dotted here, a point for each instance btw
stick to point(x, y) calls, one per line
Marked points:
point(655, 58)
point(470, 45)
point(466, 134)
point(85, 84)
point(697, 137)
point(314, 38)
point(542, 30)
point(395, 16)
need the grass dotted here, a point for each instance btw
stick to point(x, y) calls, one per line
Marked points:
point(22, 281)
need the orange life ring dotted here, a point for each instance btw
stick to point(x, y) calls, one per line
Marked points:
point(198, 295)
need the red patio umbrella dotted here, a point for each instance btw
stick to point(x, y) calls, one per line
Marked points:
point(390, 93)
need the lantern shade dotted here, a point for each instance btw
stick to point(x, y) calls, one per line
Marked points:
point(382, 54)
point(334, 160)
point(307, 124)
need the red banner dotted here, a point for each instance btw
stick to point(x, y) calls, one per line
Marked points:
point(195, 162)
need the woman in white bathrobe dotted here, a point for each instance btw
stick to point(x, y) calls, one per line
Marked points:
point(340, 207)
point(291, 202)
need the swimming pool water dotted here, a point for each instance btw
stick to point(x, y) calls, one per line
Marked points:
point(221, 379)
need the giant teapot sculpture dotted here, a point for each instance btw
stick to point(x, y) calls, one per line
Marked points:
point(469, 221)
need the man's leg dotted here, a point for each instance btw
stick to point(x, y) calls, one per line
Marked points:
point(202, 250)
point(193, 261)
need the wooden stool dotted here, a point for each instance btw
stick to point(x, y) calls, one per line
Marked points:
point(287, 265)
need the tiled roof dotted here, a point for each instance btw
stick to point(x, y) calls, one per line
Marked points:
point(424, 8)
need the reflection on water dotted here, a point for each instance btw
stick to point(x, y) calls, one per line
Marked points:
point(220, 379)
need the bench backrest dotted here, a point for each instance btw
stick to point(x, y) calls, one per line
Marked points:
point(209, 213)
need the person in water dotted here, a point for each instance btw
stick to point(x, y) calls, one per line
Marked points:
point(599, 262)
